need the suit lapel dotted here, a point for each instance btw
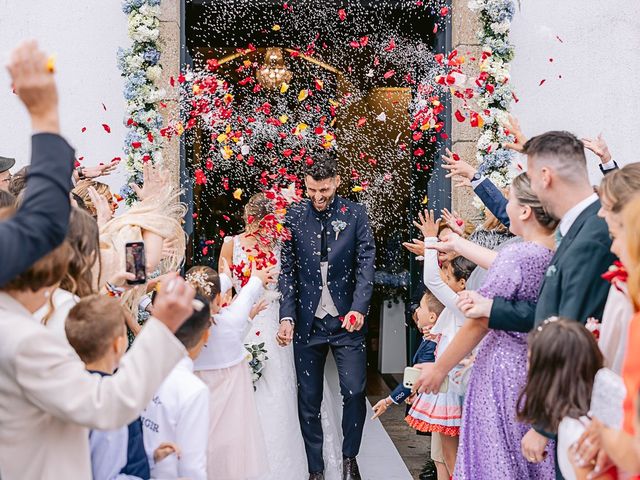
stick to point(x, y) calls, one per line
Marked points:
point(331, 235)
point(589, 212)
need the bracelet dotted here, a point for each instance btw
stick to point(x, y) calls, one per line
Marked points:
point(80, 171)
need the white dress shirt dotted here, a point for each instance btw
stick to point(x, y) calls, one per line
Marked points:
point(569, 218)
point(225, 347)
point(178, 413)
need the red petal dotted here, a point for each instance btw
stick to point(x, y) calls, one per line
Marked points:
point(106, 127)
point(84, 129)
point(459, 116)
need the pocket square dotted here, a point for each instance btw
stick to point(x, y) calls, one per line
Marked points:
point(551, 271)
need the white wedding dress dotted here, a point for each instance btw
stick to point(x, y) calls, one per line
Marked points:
point(276, 398)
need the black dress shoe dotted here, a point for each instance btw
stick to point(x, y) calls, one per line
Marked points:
point(350, 469)
point(429, 471)
point(316, 476)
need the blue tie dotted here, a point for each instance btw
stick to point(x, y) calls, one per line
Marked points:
point(558, 237)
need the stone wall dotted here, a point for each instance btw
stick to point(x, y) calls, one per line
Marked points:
point(464, 24)
point(171, 47)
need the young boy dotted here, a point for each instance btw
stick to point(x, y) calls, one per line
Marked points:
point(176, 421)
point(425, 317)
point(96, 329)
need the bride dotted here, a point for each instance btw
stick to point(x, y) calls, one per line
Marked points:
point(276, 390)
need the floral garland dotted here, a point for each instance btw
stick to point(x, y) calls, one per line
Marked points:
point(141, 69)
point(493, 90)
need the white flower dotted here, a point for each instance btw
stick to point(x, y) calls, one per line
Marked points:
point(500, 28)
point(154, 73)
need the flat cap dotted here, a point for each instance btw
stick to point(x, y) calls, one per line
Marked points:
point(6, 163)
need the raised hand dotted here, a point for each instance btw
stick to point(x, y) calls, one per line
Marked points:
point(101, 204)
point(416, 247)
point(100, 170)
point(599, 147)
point(427, 226)
point(224, 267)
point(513, 125)
point(457, 168)
point(447, 245)
point(454, 221)
point(174, 302)
point(35, 85)
point(155, 179)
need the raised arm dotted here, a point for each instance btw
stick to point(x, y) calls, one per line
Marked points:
point(41, 222)
point(481, 256)
point(433, 280)
point(53, 377)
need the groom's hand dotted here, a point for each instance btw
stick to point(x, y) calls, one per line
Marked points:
point(285, 333)
point(353, 321)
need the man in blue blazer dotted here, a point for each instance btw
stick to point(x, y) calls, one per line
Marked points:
point(326, 284)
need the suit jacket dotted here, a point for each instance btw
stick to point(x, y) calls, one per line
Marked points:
point(48, 401)
point(351, 258)
point(41, 222)
point(572, 286)
point(426, 353)
point(496, 202)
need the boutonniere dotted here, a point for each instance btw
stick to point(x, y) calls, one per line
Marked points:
point(551, 271)
point(338, 226)
point(616, 275)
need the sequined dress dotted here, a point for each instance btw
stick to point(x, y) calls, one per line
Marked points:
point(490, 435)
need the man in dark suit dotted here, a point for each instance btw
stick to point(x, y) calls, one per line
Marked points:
point(41, 222)
point(326, 284)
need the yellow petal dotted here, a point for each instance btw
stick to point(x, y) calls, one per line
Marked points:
point(284, 87)
point(222, 138)
point(283, 118)
point(196, 89)
point(279, 227)
point(302, 95)
point(425, 200)
point(237, 194)
point(276, 28)
point(51, 64)
point(357, 189)
point(179, 128)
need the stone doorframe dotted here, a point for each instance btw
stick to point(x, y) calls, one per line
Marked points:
point(464, 25)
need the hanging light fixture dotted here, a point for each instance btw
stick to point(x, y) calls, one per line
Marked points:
point(273, 73)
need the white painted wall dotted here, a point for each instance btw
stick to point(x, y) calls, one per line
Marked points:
point(599, 64)
point(85, 36)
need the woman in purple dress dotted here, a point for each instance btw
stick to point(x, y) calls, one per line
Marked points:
point(490, 436)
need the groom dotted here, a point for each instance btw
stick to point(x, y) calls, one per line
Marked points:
point(326, 284)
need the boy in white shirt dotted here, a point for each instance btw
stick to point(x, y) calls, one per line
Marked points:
point(176, 421)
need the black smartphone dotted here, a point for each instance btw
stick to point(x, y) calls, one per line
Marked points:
point(136, 262)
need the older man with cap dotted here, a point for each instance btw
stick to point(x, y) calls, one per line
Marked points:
point(6, 164)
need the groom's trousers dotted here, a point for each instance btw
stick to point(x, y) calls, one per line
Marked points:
point(349, 352)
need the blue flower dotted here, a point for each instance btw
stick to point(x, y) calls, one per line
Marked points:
point(498, 160)
point(152, 56)
point(153, 3)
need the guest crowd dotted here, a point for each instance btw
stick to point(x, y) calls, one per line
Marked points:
point(528, 323)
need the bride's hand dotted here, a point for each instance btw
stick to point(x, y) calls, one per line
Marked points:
point(257, 308)
point(285, 333)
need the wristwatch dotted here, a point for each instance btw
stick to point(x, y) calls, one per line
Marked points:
point(476, 177)
point(80, 171)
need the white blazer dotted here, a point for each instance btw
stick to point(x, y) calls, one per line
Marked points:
point(48, 401)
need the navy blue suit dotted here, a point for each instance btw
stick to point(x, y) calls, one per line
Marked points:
point(426, 353)
point(41, 222)
point(350, 253)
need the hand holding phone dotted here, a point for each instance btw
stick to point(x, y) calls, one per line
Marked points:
point(136, 262)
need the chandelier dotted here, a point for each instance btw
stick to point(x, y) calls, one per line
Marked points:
point(274, 72)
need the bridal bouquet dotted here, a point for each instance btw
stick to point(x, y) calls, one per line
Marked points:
point(256, 356)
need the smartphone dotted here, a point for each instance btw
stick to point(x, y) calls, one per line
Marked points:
point(412, 374)
point(607, 398)
point(136, 262)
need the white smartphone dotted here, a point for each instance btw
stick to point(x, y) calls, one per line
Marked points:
point(411, 375)
point(607, 398)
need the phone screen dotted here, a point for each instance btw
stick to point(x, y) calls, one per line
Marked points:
point(136, 262)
